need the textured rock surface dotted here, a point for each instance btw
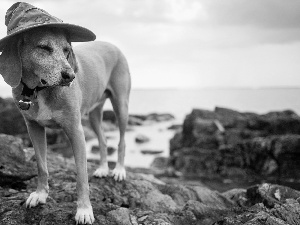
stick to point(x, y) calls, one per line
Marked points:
point(230, 144)
point(140, 199)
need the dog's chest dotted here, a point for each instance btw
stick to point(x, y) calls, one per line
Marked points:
point(44, 115)
point(44, 112)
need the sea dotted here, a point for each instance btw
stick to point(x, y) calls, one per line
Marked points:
point(180, 102)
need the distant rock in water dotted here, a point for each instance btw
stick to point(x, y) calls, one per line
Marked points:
point(110, 150)
point(175, 127)
point(150, 118)
point(140, 138)
point(151, 152)
point(228, 143)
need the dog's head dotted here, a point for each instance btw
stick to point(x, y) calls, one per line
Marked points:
point(40, 57)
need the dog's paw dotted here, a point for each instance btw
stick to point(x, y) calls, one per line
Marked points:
point(36, 198)
point(84, 216)
point(102, 171)
point(119, 173)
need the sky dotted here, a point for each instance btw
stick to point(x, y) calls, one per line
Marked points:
point(192, 43)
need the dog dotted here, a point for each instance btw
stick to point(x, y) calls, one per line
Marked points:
point(61, 85)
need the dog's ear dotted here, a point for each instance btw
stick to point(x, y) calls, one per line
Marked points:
point(72, 61)
point(10, 63)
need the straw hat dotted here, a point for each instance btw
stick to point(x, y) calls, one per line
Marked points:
point(22, 16)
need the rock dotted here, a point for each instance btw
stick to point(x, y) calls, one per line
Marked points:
point(151, 152)
point(175, 127)
point(160, 163)
point(247, 146)
point(120, 216)
point(14, 169)
point(200, 123)
point(270, 204)
point(138, 120)
point(140, 199)
point(140, 138)
point(11, 120)
point(109, 116)
point(110, 150)
point(95, 149)
point(135, 121)
point(160, 117)
point(231, 118)
point(273, 155)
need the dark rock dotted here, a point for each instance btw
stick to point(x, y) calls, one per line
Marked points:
point(159, 117)
point(110, 150)
point(231, 118)
point(246, 146)
point(198, 124)
point(109, 115)
point(160, 163)
point(11, 120)
point(95, 149)
point(135, 121)
point(140, 138)
point(268, 204)
point(175, 127)
point(14, 169)
point(151, 152)
point(273, 155)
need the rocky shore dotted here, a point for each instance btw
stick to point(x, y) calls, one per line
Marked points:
point(225, 168)
point(141, 199)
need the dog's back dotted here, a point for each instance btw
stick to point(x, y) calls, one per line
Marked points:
point(101, 68)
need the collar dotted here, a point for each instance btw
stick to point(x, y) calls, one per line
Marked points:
point(28, 95)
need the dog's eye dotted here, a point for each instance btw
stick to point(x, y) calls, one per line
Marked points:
point(45, 47)
point(67, 52)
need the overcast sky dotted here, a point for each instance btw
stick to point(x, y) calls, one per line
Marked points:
point(192, 43)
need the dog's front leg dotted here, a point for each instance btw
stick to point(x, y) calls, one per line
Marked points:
point(75, 134)
point(38, 137)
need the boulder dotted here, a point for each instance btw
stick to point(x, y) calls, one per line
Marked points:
point(11, 120)
point(225, 142)
point(14, 169)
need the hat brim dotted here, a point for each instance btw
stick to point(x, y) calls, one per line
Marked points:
point(75, 33)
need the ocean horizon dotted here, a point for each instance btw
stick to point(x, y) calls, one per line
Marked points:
point(181, 102)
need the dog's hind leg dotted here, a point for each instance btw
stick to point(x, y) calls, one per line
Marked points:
point(121, 109)
point(120, 85)
point(38, 137)
point(95, 117)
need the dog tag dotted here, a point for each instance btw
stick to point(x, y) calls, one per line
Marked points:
point(25, 104)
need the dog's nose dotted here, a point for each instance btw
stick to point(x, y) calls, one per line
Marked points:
point(67, 77)
point(44, 82)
